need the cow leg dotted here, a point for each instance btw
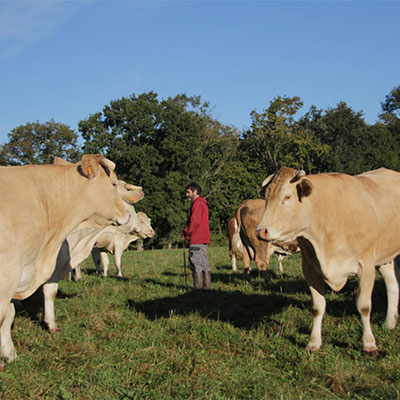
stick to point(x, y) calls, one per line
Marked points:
point(366, 280)
point(96, 259)
point(104, 262)
point(262, 268)
point(77, 273)
point(280, 258)
point(234, 266)
point(246, 264)
point(316, 285)
point(118, 250)
point(7, 346)
point(50, 292)
point(392, 290)
point(262, 261)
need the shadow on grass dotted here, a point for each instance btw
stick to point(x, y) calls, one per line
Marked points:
point(241, 310)
point(247, 310)
point(33, 306)
point(276, 284)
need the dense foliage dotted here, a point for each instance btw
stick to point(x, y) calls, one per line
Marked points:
point(162, 145)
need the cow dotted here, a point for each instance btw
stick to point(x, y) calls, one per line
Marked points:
point(79, 244)
point(113, 241)
point(345, 225)
point(39, 206)
point(245, 244)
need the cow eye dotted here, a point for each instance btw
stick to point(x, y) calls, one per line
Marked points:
point(287, 197)
point(115, 184)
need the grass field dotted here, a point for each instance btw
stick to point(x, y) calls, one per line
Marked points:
point(147, 337)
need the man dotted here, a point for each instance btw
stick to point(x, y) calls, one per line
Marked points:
point(197, 232)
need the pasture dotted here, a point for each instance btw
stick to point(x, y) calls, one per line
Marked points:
point(146, 337)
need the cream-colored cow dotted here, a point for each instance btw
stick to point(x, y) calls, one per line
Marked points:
point(346, 225)
point(40, 205)
point(79, 244)
point(113, 241)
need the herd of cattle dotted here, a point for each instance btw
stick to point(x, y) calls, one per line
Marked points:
point(73, 210)
point(343, 225)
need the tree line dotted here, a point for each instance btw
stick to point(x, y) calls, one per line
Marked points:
point(163, 144)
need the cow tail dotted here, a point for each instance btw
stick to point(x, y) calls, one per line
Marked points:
point(237, 244)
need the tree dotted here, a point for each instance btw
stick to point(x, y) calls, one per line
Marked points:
point(37, 143)
point(162, 146)
point(276, 139)
point(391, 106)
point(390, 115)
point(354, 146)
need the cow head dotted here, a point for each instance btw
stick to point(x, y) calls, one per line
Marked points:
point(147, 230)
point(102, 184)
point(286, 210)
point(101, 189)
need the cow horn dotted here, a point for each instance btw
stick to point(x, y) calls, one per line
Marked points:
point(299, 174)
point(262, 189)
point(267, 180)
point(107, 163)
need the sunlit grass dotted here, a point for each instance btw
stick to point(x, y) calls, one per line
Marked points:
point(147, 336)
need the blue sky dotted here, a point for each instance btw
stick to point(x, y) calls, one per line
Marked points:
point(65, 60)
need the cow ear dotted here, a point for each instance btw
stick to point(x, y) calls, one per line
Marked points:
point(304, 189)
point(130, 193)
point(136, 193)
point(90, 165)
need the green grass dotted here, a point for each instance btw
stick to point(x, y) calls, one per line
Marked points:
point(147, 337)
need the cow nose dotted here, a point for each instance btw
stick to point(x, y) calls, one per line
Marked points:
point(262, 234)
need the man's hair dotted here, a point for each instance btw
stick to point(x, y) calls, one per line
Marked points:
point(194, 186)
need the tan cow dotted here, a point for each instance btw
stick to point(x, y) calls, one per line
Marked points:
point(346, 225)
point(39, 206)
point(246, 246)
point(113, 241)
point(79, 244)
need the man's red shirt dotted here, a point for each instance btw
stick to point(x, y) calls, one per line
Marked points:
point(197, 230)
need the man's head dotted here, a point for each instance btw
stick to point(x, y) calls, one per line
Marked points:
point(193, 191)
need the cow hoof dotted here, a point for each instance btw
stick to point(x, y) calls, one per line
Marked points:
point(312, 348)
point(2, 367)
point(372, 353)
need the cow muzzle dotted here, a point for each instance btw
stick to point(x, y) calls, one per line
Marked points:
point(267, 232)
